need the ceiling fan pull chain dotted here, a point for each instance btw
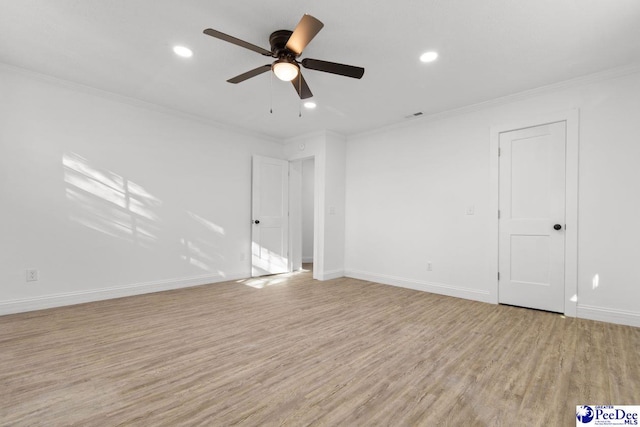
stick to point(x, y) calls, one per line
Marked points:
point(271, 92)
point(300, 92)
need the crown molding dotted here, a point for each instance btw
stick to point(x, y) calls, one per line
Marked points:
point(527, 94)
point(315, 134)
point(610, 74)
point(135, 102)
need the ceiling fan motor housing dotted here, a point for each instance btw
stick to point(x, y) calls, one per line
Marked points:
point(278, 41)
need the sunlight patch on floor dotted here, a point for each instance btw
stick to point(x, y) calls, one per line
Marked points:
point(265, 281)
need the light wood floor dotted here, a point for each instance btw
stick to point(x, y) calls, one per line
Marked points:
point(292, 351)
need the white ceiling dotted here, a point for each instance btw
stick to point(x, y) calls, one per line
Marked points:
point(488, 49)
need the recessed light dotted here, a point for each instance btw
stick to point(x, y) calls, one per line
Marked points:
point(183, 51)
point(310, 105)
point(429, 56)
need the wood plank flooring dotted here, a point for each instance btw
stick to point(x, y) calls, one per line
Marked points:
point(293, 351)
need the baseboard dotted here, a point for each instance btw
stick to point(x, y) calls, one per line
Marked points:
point(80, 297)
point(331, 274)
point(307, 259)
point(419, 285)
point(621, 317)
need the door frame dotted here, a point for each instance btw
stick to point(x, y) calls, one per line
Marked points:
point(572, 119)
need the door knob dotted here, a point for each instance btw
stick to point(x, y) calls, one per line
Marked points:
point(257, 221)
point(557, 227)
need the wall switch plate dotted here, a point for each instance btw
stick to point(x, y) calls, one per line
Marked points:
point(429, 268)
point(32, 275)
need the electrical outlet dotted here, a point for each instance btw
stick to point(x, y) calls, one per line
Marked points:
point(471, 210)
point(32, 275)
point(429, 266)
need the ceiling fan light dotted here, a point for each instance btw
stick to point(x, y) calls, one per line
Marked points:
point(285, 71)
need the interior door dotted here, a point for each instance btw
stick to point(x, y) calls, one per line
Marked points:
point(270, 210)
point(532, 217)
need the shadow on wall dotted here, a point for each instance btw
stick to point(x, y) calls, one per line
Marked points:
point(111, 204)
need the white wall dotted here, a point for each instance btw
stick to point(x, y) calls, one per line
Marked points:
point(107, 197)
point(308, 172)
point(408, 189)
point(110, 198)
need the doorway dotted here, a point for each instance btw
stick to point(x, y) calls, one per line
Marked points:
point(308, 209)
point(302, 211)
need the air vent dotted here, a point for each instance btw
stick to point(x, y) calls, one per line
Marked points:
point(411, 116)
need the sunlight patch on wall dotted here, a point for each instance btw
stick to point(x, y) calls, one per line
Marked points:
point(201, 243)
point(206, 223)
point(111, 204)
point(195, 255)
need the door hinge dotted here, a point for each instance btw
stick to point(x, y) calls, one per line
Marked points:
point(498, 213)
point(498, 275)
point(498, 151)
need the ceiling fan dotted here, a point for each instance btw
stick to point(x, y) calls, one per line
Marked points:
point(286, 47)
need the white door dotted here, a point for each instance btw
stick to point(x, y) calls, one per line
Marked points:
point(532, 217)
point(270, 210)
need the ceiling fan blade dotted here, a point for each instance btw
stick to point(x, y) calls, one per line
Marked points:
point(237, 41)
point(304, 32)
point(300, 84)
point(332, 67)
point(244, 76)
